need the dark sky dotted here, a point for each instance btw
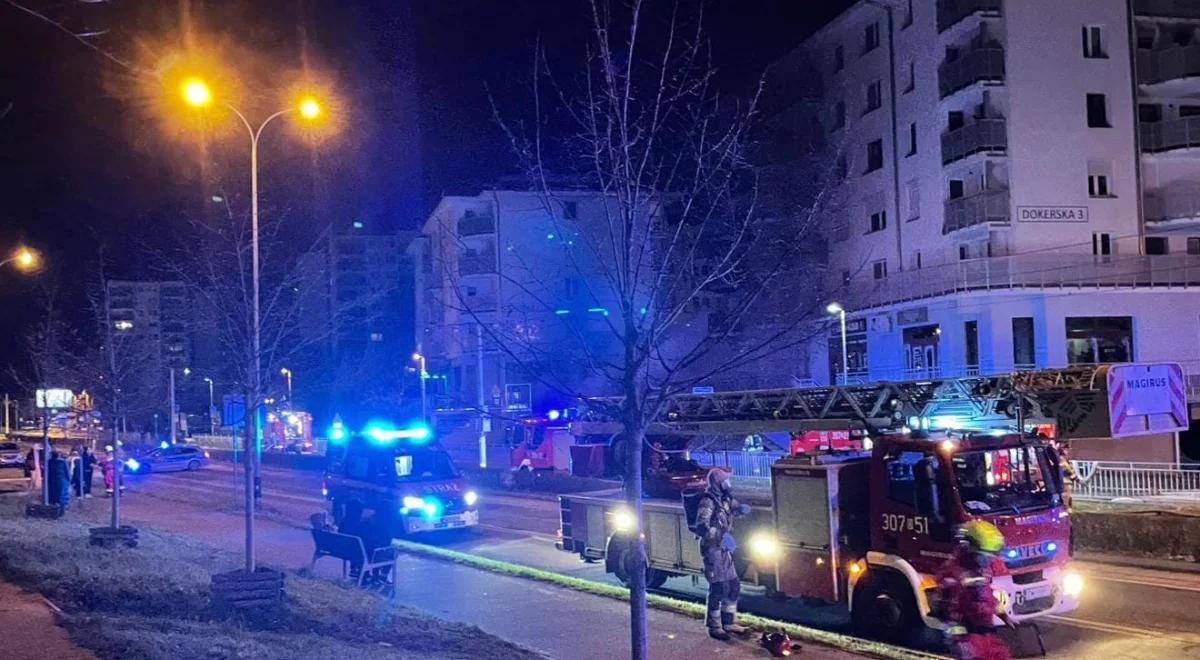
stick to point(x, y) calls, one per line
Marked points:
point(86, 157)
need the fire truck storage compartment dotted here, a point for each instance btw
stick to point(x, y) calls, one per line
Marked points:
point(821, 521)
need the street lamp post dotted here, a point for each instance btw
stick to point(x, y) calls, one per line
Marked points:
point(212, 422)
point(287, 373)
point(24, 258)
point(835, 308)
point(197, 94)
point(424, 376)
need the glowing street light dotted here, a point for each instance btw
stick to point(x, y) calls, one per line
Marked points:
point(196, 93)
point(417, 357)
point(287, 373)
point(839, 311)
point(310, 108)
point(24, 259)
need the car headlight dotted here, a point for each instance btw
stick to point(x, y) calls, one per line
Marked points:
point(132, 464)
point(624, 520)
point(1072, 584)
point(471, 497)
point(764, 546)
point(411, 502)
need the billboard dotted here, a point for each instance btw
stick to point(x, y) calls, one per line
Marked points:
point(57, 399)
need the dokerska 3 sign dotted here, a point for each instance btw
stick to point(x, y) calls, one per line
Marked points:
point(1146, 398)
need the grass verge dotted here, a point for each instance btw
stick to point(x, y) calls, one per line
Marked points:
point(152, 603)
point(660, 602)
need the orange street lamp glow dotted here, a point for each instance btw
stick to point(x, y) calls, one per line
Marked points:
point(25, 259)
point(196, 93)
point(309, 108)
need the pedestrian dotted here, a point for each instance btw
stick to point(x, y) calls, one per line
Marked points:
point(373, 534)
point(59, 477)
point(109, 466)
point(969, 603)
point(87, 462)
point(33, 465)
point(714, 525)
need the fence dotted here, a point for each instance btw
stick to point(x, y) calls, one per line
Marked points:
point(1102, 480)
point(752, 467)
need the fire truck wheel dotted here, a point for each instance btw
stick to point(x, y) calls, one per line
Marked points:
point(884, 608)
point(654, 577)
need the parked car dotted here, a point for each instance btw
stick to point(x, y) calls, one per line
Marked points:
point(11, 455)
point(175, 458)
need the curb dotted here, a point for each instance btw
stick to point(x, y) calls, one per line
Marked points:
point(660, 602)
point(1148, 563)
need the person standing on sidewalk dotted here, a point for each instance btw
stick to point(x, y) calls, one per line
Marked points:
point(60, 480)
point(86, 467)
point(714, 525)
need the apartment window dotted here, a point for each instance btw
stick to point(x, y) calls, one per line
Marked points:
point(971, 337)
point(376, 336)
point(871, 38)
point(879, 269)
point(1098, 185)
point(908, 15)
point(1149, 113)
point(1099, 339)
point(914, 201)
point(1189, 111)
point(1101, 244)
point(874, 155)
point(874, 97)
point(917, 260)
point(912, 78)
point(839, 115)
point(1022, 332)
point(1157, 245)
point(912, 139)
point(1097, 111)
point(1193, 245)
point(955, 120)
point(570, 210)
point(1093, 42)
point(956, 188)
point(839, 58)
point(878, 221)
point(963, 252)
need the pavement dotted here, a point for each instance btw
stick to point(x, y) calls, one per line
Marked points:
point(30, 630)
point(1128, 611)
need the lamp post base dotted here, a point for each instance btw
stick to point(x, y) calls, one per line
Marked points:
point(46, 511)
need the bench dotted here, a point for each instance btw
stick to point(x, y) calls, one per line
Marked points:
point(348, 549)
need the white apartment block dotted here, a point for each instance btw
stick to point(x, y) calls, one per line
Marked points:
point(1021, 185)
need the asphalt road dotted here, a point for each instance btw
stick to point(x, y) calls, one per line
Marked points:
point(1132, 613)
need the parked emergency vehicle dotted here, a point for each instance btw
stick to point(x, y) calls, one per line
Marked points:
point(402, 477)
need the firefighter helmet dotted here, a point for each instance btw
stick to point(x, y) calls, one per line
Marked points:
point(983, 535)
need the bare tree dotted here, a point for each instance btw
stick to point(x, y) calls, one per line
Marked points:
point(681, 265)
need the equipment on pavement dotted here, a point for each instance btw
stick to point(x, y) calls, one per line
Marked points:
point(779, 644)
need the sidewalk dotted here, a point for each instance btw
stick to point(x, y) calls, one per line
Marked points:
point(30, 631)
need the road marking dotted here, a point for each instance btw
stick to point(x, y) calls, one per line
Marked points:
point(1145, 633)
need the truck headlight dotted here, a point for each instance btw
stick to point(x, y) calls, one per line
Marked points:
point(764, 546)
point(471, 497)
point(1072, 584)
point(624, 520)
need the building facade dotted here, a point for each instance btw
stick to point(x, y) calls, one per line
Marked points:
point(1017, 185)
point(155, 316)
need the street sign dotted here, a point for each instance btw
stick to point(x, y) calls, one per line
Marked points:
point(1146, 398)
point(233, 411)
point(54, 399)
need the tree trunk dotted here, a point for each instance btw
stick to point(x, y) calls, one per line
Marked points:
point(636, 559)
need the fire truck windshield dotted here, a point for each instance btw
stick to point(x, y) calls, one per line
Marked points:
point(1013, 480)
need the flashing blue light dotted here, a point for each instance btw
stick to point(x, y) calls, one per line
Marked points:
point(550, 237)
point(1051, 547)
point(337, 432)
point(382, 432)
point(598, 310)
point(1011, 554)
point(562, 312)
point(553, 415)
point(358, 224)
point(164, 444)
point(133, 464)
point(643, 311)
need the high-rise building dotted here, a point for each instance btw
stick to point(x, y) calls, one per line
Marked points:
point(155, 316)
point(1017, 185)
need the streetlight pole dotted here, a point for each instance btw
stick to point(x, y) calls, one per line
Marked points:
point(212, 422)
point(287, 373)
point(424, 376)
point(835, 308)
point(171, 380)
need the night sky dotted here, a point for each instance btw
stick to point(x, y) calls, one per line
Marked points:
point(87, 158)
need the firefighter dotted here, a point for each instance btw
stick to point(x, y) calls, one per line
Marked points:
point(714, 525)
point(968, 601)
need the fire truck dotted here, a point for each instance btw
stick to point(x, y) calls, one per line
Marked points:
point(868, 525)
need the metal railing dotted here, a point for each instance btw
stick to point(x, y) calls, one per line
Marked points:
point(1105, 480)
point(1171, 204)
point(1036, 271)
point(476, 263)
point(754, 465)
point(985, 134)
point(1176, 62)
point(1169, 134)
point(475, 225)
point(950, 12)
point(981, 208)
point(1167, 8)
point(981, 64)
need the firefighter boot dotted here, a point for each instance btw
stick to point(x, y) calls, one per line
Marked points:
point(729, 622)
point(715, 629)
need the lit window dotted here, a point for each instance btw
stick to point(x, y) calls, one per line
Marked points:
point(376, 336)
point(123, 325)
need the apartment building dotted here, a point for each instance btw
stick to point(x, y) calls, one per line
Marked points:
point(1018, 184)
point(153, 320)
point(510, 302)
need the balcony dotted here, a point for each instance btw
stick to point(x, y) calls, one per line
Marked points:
point(986, 135)
point(1167, 205)
point(950, 12)
point(981, 208)
point(979, 65)
point(475, 225)
point(1167, 8)
point(1175, 63)
point(476, 263)
point(1171, 134)
point(1058, 271)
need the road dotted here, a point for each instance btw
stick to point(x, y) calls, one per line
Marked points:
point(1132, 613)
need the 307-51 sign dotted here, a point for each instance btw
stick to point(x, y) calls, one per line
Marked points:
point(898, 522)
